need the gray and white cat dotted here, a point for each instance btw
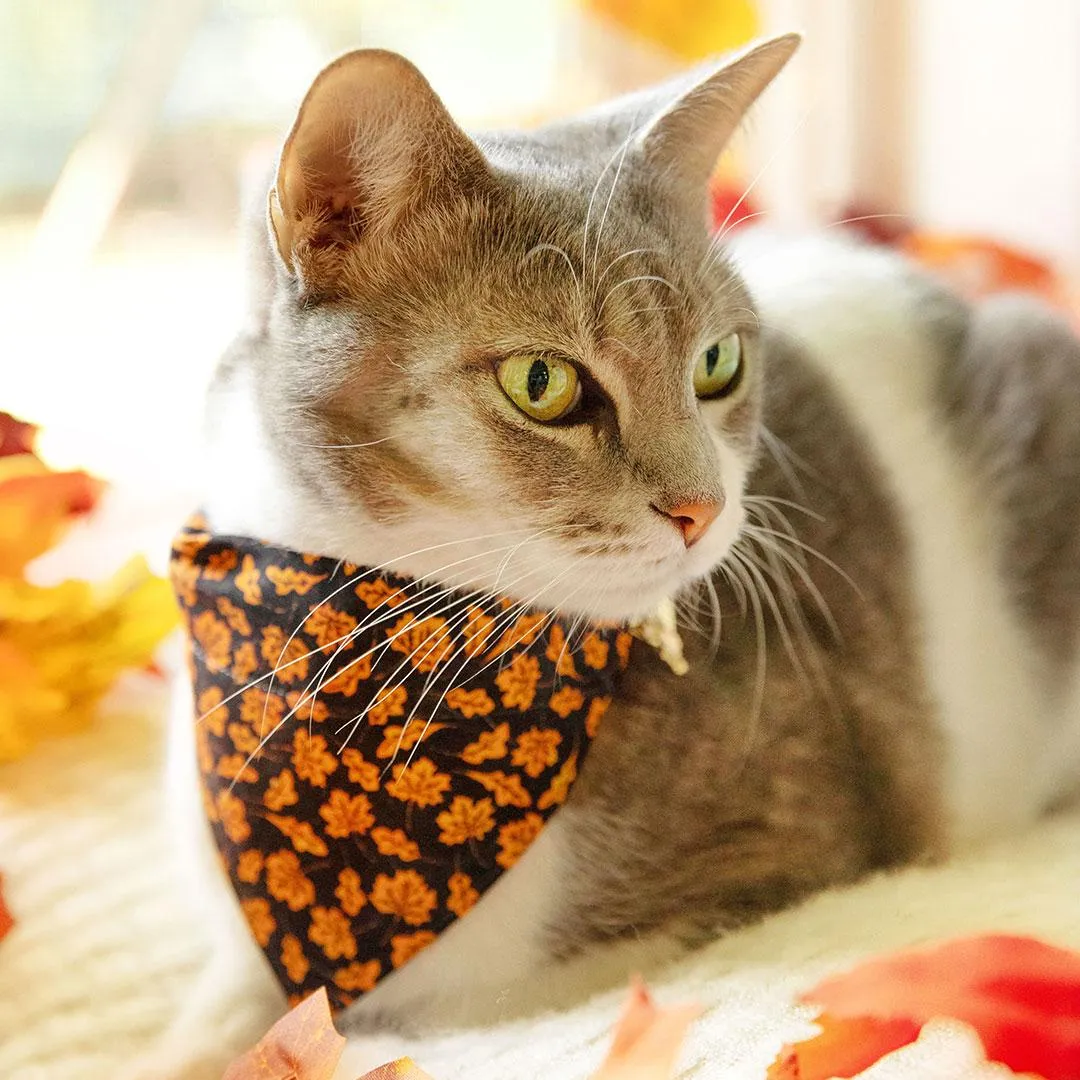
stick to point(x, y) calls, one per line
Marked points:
point(877, 485)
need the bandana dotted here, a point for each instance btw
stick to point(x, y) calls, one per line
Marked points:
point(374, 751)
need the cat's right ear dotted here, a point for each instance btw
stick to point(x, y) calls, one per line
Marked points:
point(371, 142)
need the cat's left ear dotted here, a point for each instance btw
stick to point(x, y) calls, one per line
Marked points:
point(683, 142)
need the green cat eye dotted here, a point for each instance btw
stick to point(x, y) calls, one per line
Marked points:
point(543, 387)
point(719, 368)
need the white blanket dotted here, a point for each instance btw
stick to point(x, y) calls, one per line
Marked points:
point(105, 947)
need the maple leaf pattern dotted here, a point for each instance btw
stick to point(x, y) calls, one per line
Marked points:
point(369, 769)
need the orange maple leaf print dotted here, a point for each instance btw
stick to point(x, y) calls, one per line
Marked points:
point(345, 815)
point(523, 632)
point(234, 617)
point(596, 712)
point(261, 710)
point(310, 758)
point(558, 652)
point(470, 703)
point(307, 707)
point(214, 638)
point(406, 895)
point(329, 626)
point(362, 772)
point(330, 930)
point(219, 564)
point(395, 842)
point(405, 946)
point(462, 894)
point(211, 713)
point(595, 650)
point(489, 746)
point(257, 913)
point(388, 704)
point(287, 580)
point(357, 977)
point(395, 738)
point(426, 642)
point(560, 787)
point(233, 816)
point(244, 661)
point(243, 738)
point(515, 838)
point(567, 700)
point(347, 679)
point(280, 791)
point(249, 866)
point(304, 838)
point(184, 577)
point(376, 593)
point(536, 749)
point(288, 656)
point(518, 682)
point(467, 819)
point(287, 882)
point(349, 893)
point(236, 767)
point(506, 787)
point(623, 644)
point(477, 631)
point(293, 960)
point(247, 581)
point(420, 783)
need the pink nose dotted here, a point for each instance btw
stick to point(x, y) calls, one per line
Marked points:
point(692, 518)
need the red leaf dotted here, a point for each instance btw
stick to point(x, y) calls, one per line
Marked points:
point(16, 437)
point(6, 920)
point(1022, 996)
point(302, 1045)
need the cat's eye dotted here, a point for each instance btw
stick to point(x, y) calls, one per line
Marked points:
point(543, 387)
point(719, 368)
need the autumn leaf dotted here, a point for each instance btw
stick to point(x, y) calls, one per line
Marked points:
point(1020, 995)
point(302, 1045)
point(6, 920)
point(402, 1069)
point(16, 437)
point(647, 1038)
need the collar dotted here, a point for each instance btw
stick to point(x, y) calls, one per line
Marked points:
point(374, 752)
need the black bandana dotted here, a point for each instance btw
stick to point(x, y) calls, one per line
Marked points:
point(374, 751)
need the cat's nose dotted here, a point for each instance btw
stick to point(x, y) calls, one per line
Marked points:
point(692, 519)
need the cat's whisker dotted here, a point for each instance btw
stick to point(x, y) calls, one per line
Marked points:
point(757, 177)
point(419, 551)
point(537, 248)
point(619, 258)
point(813, 551)
point(548, 618)
point(508, 621)
point(300, 624)
point(607, 205)
point(630, 281)
point(738, 568)
point(347, 446)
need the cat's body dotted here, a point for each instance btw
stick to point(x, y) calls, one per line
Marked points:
point(904, 678)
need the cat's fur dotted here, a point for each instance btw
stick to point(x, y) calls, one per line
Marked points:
point(903, 677)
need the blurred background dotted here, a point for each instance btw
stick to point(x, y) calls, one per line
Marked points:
point(129, 126)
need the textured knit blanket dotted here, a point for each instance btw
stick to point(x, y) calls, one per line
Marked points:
point(106, 946)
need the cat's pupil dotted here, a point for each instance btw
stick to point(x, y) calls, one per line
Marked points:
point(538, 380)
point(712, 355)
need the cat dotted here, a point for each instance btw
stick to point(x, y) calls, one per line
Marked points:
point(863, 490)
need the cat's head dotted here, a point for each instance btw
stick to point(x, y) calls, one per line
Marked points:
point(514, 362)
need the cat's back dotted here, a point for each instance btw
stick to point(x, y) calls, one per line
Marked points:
point(969, 413)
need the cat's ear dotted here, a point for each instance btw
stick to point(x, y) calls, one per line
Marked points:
point(371, 141)
point(684, 140)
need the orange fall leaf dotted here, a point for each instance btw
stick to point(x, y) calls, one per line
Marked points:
point(6, 920)
point(1020, 995)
